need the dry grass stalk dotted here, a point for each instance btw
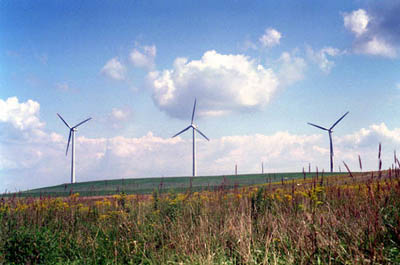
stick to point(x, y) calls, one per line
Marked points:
point(348, 169)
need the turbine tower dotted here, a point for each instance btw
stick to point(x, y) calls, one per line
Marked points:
point(330, 135)
point(72, 131)
point(195, 129)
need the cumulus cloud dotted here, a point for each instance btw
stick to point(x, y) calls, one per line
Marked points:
point(119, 114)
point(281, 151)
point(118, 117)
point(322, 57)
point(41, 161)
point(357, 21)
point(114, 69)
point(376, 30)
point(24, 144)
point(22, 115)
point(223, 83)
point(291, 68)
point(247, 45)
point(365, 142)
point(143, 57)
point(376, 46)
point(373, 134)
point(270, 38)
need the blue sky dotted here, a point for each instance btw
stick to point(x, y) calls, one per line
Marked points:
point(260, 71)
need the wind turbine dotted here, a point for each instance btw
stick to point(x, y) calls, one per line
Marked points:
point(72, 131)
point(330, 135)
point(195, 129)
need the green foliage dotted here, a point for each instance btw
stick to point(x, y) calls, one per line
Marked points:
point(32, 246)
point(260, 203)
point(281, 224)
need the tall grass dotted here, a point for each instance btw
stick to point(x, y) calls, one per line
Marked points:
point(329, 220)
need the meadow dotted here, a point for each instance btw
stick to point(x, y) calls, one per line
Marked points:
point(148, 185)
point(335, 219)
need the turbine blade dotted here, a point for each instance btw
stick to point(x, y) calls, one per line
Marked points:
point(202, 134)
point(64, 121)
point(338, 120)
point(322, 128)
point(194, 109)
point(69, 140)
point(81, 122)
point(184, 130)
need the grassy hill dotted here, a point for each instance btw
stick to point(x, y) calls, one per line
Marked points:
point(148, 185)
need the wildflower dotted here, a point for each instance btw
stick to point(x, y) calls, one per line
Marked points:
point(84, 209)
point(288, 197)
point(103, 217)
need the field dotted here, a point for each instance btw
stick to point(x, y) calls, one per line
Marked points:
point(177, 184)
point(336, 219)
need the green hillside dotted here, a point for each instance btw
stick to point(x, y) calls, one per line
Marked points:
point(148, 185)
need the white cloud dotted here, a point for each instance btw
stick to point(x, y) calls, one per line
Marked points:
point(383, 131)
point(118, 118)
point(114, 69)
point(376, 34)
point(291, 69)
point(248, 45)
point(321, 57)
point(41, 161)
point(22, 116)
point(321, 150)
point(365, 142)
point(56, 138)
point(270, 38)
point(24, 144)
point(145, 57)
point(376, 46)
point(357, 21)
point(222, 83)
point(119, 114)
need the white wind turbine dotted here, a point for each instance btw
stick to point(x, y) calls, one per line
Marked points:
point(72, 131)
point(195, 129)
